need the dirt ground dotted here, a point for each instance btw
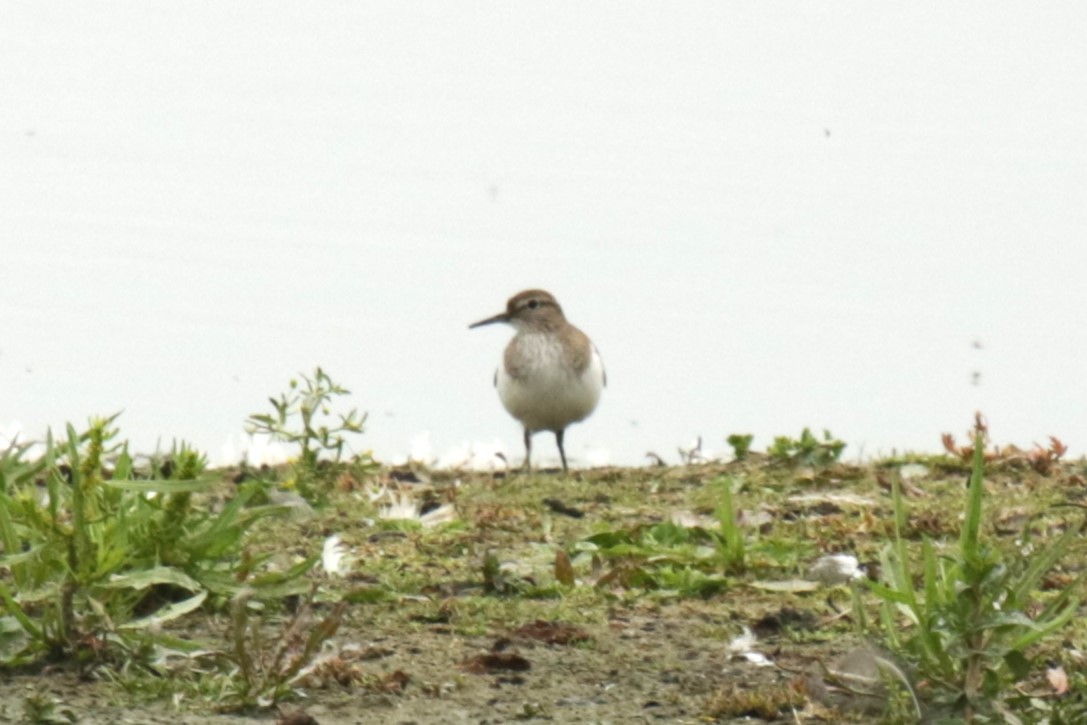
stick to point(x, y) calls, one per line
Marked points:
point(653, 665)
point(443, 644)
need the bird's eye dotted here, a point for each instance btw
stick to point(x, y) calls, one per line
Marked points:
point(533, 304)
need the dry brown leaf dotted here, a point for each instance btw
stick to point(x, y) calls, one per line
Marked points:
point(564, 570)
point(561, 633)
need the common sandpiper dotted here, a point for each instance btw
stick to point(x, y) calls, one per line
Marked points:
point(551, 374)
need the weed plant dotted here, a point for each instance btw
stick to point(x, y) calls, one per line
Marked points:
point(96, 557)
point(973, 612)
point(260, 670)
point(686, 560)
point(303, 417)
point(741, 445)
point(807, 450)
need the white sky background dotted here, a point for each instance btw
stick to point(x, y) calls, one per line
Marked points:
point(766, 215)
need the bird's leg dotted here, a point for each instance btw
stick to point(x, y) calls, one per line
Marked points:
point(562, 453)
point(528, 450)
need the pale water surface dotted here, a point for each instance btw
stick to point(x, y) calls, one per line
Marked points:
point(766, 214)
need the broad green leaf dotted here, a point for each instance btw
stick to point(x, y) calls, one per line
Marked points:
point(167, 613)
point(150, 577)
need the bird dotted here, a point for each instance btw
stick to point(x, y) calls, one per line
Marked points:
point(551, 375)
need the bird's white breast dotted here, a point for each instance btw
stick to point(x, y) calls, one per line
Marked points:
point(548, 393)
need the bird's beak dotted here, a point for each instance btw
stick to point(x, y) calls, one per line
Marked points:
point(503, 317)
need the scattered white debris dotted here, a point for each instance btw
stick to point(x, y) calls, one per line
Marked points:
point(835, 498)
point(913, 470)
point(404, 507)
point(481, 456)
point(442, 515)
point(300, 509)
point(466, 455)
point(336, 558)
point(254, 450)
point(473, 456)
point(745, 519)
point(835, 569)
point(743, 642)
point(757, 658)
point(374, 492)
point(791, 586)
point(754, 519)
point(744, 646)
point(690, 520)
